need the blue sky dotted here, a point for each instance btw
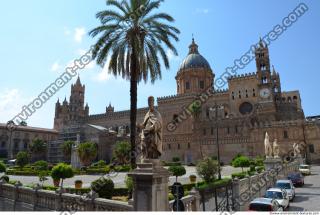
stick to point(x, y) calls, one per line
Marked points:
point(40, 38)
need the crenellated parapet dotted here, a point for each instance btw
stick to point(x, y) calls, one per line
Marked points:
point(116, 115)
point(242, 76)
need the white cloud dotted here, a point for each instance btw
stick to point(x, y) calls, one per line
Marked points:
point(11, 102)
point(55, 66)
point(79, 33)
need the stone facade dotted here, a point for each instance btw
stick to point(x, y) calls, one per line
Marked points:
point(21, 137)
point(237, 117)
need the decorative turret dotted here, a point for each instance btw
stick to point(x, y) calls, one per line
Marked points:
point(86, 110)
point(109, 109)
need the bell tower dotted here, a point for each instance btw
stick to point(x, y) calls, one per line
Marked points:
point(263, 63)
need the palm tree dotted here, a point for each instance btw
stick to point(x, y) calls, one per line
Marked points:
point(135, 38)
point(38, 149)
point(87, 152)
point(66, 148)
point(122, 152)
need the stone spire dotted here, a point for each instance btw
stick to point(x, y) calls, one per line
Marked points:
point(78, 81)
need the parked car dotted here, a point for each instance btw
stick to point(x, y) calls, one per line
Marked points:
point(305, 169)
point(264, 204)
point(288, 186)
point(280, 195)
point(296, 178)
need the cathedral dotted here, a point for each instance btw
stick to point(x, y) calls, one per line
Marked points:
point(200, 118)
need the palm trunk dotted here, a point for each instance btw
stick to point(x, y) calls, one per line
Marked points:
point(133, 108)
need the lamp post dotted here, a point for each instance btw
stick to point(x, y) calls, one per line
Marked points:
point(216, 108)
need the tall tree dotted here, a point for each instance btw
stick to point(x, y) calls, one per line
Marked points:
point(135, 38)
point(87, 152)
point(122, 152)
point(38, 149)
point(67, 148)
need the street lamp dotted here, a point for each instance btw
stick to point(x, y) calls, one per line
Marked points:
point(215, 108)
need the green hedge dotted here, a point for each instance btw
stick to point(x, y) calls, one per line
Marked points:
point(215, 184)
point(22, 172)
point(171, 163)
point(239, 175)
point(124, 168)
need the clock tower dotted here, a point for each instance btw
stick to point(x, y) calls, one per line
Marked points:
point(265, 81)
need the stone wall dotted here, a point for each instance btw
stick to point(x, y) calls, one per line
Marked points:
point(18, 198)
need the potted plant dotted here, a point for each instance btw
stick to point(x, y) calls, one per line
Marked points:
point(193, 179)
point(61, 172)
point(56, 181)
point(78, 184)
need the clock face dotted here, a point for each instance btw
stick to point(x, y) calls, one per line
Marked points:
point(265, 93)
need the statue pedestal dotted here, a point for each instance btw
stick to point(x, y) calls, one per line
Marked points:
point(75, 161)
point(150, 192)
point(272, 163)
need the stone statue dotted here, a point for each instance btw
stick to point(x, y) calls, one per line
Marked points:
point(267, 146)
point(151, 134)
point(276, 149)
point(296, 150)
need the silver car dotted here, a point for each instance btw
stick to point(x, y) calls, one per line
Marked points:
point(288, 186)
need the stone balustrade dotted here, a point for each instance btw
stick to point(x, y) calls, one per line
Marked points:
point(19, 198)
point(247, 189)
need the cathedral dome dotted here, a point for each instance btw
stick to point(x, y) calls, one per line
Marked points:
point(194, 59)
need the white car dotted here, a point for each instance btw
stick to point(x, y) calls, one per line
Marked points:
point(280, 195)
point(305, 169)
point(288, 186)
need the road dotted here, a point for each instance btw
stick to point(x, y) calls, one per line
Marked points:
point(308, 197)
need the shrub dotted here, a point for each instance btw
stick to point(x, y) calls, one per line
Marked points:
point(87, 152)
point(175, 159)
point(259, 161)
point(214, 157)
point(96, 170)
point(104, 187)
point(42, 176)
point(241, 161)
point(172, 164)
point(252, 168)
point(5, 178)
point(62, 171)
point(207, 169)
point(122, 152)
point(41, 165)
point(67, 149)
point(22, 172)
point(101, 163)
point(215, 184)
point(2, 167)
point(259, 169)
point(239, 175)
point(124, 168)
point(22, 159)
point(177, 171)
point(129, 184)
